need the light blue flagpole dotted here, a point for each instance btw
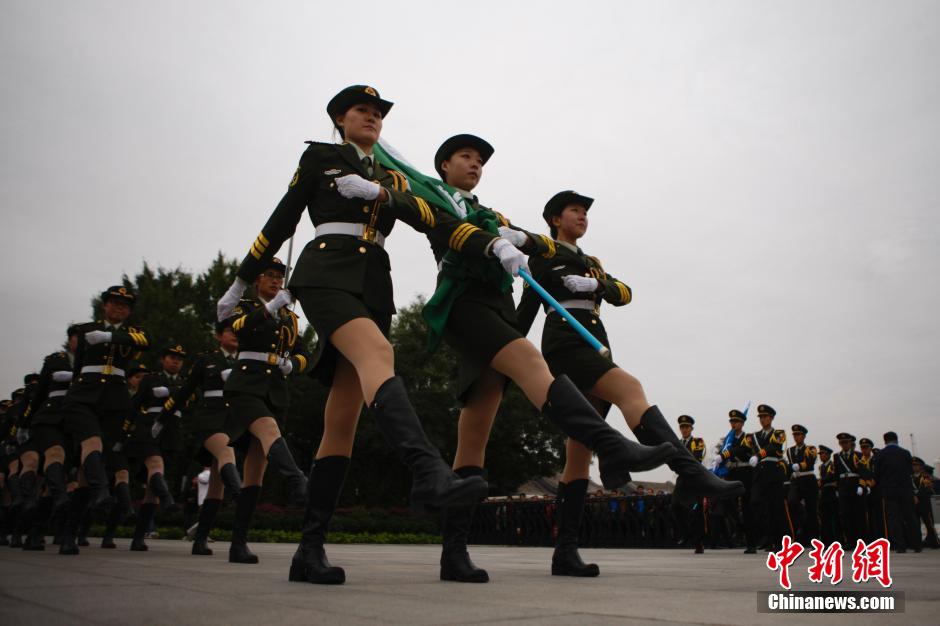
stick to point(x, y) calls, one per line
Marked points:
point(585, 334)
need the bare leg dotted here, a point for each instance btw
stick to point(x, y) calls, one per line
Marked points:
point(341, 415)
point(154, 465)
point(620, 388)
point(266, 432)
point(255, 465)
point(522, 362)
point(217, 445)
point(362, 343)
point(476, 419)
point(55, 454)
point(92, 444)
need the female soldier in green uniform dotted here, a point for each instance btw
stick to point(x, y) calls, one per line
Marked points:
point(474, 310)
point(344, 285)
point(257, 395)
point(207, 375)
point(580, 283)
point(144, 448)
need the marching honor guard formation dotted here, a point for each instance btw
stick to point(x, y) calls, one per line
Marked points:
point(95, 422)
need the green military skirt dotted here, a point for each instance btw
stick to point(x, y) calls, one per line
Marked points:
point(48, 436)
point(327, 310)
point(481, 323)
point(567, 353)
point(244, 409)
point(82, 421)
point(203, 424)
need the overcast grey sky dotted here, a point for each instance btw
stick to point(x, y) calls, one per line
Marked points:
point(765, 173)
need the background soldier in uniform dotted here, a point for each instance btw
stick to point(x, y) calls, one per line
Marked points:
point(97, 402)
point(923, 482)
point(803, 495)
point(736, 458)
point(830, 528)
point(771, 513)
point(853, 474)
point(874, 504)
point(694, 511)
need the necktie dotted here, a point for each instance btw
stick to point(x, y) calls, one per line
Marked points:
point(367, 165)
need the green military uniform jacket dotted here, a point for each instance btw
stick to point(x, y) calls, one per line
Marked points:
point(257, 331)
point(549, 272)
point(204, 383)
point(107, 388)
point(696, 446)
point(148, 407)
point(766, 445)
point(803, 455)
point(340, 261)
point(45, 406)
point(536, 245)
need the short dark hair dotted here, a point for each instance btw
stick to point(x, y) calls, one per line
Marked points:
point(891, 437)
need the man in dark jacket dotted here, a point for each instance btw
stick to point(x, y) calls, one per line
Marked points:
point(892, 469)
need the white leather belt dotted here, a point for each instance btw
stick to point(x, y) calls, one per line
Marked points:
point(799, 474)
point(271, 358)
point(770, 459)
point(57, 393)
point(159, 409)
point(849, 475)
point(213, 393)
point(102, 369)
point(348, 228)
point(737, 464)
point(587, 305)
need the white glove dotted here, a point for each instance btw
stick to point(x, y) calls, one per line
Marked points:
point(94, 337)
point(753, 461)
point(510, 257)
point(161, 392)
point(579, 284)
point(283, 298)
point(715, 462)
point(355, 186)
point(62, 376)
point(796, 467)
point(22, 435)
point(513, 236)
point(229, 299)
point(225, 374)
point(118, 446)
point(156, 429)
point(286, 365)
point(860, 491)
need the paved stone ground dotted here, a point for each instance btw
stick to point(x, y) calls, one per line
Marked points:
point(398, 584)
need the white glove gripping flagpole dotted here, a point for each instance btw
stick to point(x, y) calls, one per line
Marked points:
point(585, 334)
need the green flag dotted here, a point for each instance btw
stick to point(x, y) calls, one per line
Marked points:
point(456, 269)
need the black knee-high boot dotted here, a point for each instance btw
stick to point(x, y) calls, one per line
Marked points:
point(28, 496)
point(144, 517)
point(34, 538)
point(310, 564)
point(282, 460)
point(579, 420)
point(78, 504)
point(566, 561)
point(433, 483)
point(97, 479)
point(4, 525)
point(13, 511)
point(455, 530)
point(694, 479)
point(238, 552)
point(85, 523)
point(157, 484)
point(117, 515)
point(56, 483)
point(232, 481)
point(210, 507)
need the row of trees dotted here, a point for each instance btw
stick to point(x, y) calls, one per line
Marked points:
point(176, 306)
